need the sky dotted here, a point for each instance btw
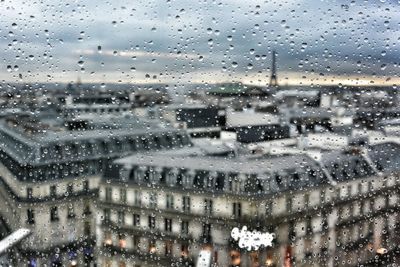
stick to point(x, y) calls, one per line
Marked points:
point(186, 41)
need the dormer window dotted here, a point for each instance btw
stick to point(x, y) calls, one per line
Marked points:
point(171, 178)
point(220, 181)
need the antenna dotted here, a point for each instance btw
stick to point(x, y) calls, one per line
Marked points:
point(273, 82)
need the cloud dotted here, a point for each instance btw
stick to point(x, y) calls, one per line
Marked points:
point(182, 38)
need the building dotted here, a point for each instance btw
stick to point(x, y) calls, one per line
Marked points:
point(326, 207)
point(49, 173)
point(197, 120)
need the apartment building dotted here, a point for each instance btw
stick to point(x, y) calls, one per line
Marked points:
point(337, 208)
point(50, 171)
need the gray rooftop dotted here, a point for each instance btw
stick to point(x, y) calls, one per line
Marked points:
point(33, 140)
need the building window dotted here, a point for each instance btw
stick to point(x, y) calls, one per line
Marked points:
point(122, 241)
point(53, 190)
point(54, 214)
point(268, 207)
point(237, 210)
point(289, 204)
point(291, 231)
point(122, 195)
point(168, 247)
point(153, 200)
point(168, 225)
point(186, 204)
point(86, 210)
point(107, 239)
point(152, 222)
point(206, 233)
point(185, 227)
point(138, 198)
point(360, 188)
point(184, 250)
point(152, 246)
point(30, 216)
point(208, 206)
point(86, 186)
point(170, 201)
point(306, 200)
point(108, 194)
point(107, 215)
point(349, 191)
point(121, 217)
point(135, 240)
point(70, 189)
point(136, 220)
point(29, 192)
point(322, 197)
point(71, 211)
point(309, 229)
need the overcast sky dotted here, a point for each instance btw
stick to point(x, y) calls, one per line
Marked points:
point(199, 41)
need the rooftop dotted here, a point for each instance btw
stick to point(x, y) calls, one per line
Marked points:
point(39, 138)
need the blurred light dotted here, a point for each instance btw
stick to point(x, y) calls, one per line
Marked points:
point(122, 243)
point(381, 251)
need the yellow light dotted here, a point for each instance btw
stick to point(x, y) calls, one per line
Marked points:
point(108, 241)
point(235, 257)
point(152, 249)
point(122, 243)
point(74, 263)
point(269, 262)
point(381, 251)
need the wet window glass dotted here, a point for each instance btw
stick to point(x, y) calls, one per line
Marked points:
point(199, 133)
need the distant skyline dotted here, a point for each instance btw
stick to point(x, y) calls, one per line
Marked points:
point(317, 42)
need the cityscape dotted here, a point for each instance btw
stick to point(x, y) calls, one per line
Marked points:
point(199, 134)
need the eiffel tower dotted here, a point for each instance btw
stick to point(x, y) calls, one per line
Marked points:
point(273, 81)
